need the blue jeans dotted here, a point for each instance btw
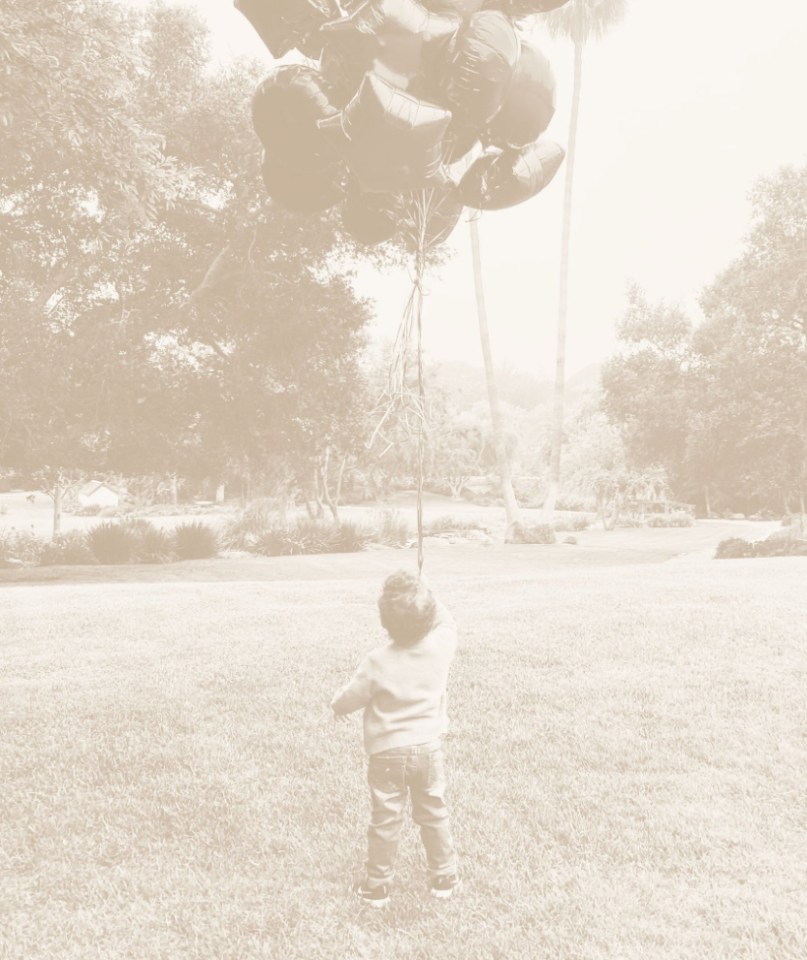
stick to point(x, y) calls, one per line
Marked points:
point(420, 771)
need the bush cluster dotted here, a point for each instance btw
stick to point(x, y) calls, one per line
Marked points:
point(679, 518)
point(20, 546)
point(773, 546)
point(304, 536)
point(392, 529)
point(531, 533)
point(450, 524)
point(111, 542)
point(571, 524)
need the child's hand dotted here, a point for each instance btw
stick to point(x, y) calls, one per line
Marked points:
point(341, 717)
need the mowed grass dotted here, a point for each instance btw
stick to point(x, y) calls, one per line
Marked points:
point(628, 770)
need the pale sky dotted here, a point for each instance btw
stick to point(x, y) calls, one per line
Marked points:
point(684, 106)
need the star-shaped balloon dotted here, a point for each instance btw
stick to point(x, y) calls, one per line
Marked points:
point(391, 140)
point(397, 39)
point(499, 180)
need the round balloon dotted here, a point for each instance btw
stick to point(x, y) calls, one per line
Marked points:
point(499, 180)
point(480, 66)
point(524, 8)
point(286, 107)
point(529, 103)
point(432, 216)
point(462, 8)
point(285, 110)
point(371, 218)
point(302, 190)
point(391, 140)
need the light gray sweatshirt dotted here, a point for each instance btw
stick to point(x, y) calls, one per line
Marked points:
point(403, 689)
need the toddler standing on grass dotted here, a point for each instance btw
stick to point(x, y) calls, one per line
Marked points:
point(401, 686)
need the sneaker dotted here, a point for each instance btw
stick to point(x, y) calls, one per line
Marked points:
point(444, 887)
point(374, 896)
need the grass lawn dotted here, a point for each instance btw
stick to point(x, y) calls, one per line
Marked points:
point(628, 764)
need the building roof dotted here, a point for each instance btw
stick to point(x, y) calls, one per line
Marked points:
point(92, 486)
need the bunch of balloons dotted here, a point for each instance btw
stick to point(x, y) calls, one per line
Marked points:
point(404, 112)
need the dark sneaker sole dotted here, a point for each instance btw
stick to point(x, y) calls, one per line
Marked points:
point(370, 901)
point(445, 894)
point(377, 904)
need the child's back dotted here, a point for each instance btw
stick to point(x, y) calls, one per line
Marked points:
point(402, 687)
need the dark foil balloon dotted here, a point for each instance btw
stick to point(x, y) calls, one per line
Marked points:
point(524, 8)
point(480, 65)
point(302, 190)
point(461, 8)
point(529, 103)
point(391, 140)
point(397, 39)
point(286, 24)
point(499, 180)
point(285, 110)
point(371, 218)
point(433, 214)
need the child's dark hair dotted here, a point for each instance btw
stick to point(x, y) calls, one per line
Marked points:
point(407, 607)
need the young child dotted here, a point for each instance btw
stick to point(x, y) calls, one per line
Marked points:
point(402, 687)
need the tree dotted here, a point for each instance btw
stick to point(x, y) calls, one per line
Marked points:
point(153, 319)
point(646, 386)
point(578, 21)
point(80, 172)
point(511, 510)
point(751, 429)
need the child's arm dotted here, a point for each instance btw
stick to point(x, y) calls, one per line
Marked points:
point(356, 694)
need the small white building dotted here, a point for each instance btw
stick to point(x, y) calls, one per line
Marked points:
point(98, 493)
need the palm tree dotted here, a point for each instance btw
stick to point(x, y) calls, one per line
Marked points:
point(497, 422)
point(578, 21)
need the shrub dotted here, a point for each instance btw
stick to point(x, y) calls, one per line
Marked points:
point(734, 548)
point(351, 538)
point(572, 524)
point(155, 545)
point(531, 533)
point(195, 541)
point(21, 546)
point(112, 542)
point(780, 547)
point(68, 549)
point(91, 510)
point(306, 536)
point(449, 524)
point(243, 531)
point(676, 519)
point(392, 529)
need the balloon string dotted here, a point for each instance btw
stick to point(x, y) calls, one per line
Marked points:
point(402, 396)
point(426, 198)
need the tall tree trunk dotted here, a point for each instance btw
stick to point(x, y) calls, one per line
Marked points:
point(563, 295)
point(58, 492)
point(511, 510)
point(707, 503)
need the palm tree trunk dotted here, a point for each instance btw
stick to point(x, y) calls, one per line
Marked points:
point(563, 295)
point(511, 510)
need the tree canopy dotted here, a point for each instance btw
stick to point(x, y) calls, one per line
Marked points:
point(158, 314)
